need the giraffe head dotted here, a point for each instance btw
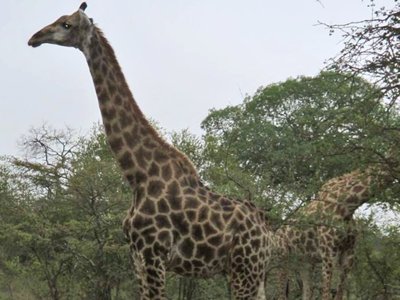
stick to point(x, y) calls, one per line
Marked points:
point(69, 30)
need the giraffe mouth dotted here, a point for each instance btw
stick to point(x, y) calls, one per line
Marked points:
point(36, 40)
point(34, 44)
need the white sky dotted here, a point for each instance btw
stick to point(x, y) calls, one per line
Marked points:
point(181, 57)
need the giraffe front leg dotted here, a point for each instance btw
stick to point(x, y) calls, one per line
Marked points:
point(283, 282)
point(247, 276)
point(327, 266)
point(305, 275)
point(151, 275)
point(346, 263)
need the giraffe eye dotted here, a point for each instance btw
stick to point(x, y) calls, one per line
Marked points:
point(66, 25)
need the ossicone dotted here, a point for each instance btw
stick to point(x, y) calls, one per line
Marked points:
point(83, 6)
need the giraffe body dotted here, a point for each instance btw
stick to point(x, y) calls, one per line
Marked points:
point(324, 233)
point(175, 223)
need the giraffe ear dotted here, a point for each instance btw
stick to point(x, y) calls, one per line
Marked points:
point(83, 6)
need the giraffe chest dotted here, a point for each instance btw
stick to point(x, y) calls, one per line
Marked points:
point(200, 259)
point(195, 245)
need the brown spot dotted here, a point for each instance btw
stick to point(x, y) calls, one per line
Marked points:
point(163, 236)
point(155, 188)
point(310, 246)
point(254, 259)
point(216, 220)
point(162, 221)
point(249, 224)
point(160, 156)
point(139, 244)
point(149, 144)
point(173, 198)
point(144, 130)
point(125, 119)
point(197, 232)
point(115, 128)
point(107, 127)
point(215, 240)
point(148, 253)
point(191, 202)
point(179, 222)
point(194, 182)
point(109, 113)
point(149, 235)
point(197, 263)
point(126, 161)
point(202, 191)
point(203, 214)
point(187, 265)
point(148, 207)
point(103, 97)
point(104, 69)
point(222, 250)
point(154, 170)
point(358, 188)
point(131, 139)
point(178, 169)
point(364, 194)
point(189, 191)
point(118, 99)
point(111, 87)
point(187, 247)
point(116, 144)
point(140, 177)
point(255, 243)
point(142, 156)
point(191, 215)
point(98, 79)
point(94, 53)
point(225, 202)
point(162, 206)
point(208, 229)
point(206, 252)
point(239, 216)
point(213, 196)
point(166, 172)
point(139, 222)
point(248, 251)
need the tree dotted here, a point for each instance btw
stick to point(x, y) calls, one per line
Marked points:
point(35, 215)
point(372, 49)
point(377, 267)
point(291, 137)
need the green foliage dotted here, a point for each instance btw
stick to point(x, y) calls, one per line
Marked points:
point(377, 263)
point(292, 136)
point(61, 205)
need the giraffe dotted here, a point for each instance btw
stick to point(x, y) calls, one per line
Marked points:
point(324, 231)
point(175, 223)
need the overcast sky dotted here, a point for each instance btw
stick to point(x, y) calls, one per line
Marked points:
point(181, 57)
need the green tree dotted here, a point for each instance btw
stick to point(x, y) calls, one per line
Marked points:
point(291, 137)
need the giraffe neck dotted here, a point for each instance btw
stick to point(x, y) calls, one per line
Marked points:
point(127, 129)
point(349, 192)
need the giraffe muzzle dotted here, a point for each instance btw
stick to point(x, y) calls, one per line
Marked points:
point(36, 40)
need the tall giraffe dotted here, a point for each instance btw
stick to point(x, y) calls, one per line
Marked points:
point(324, 231)
point(175, 223)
